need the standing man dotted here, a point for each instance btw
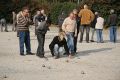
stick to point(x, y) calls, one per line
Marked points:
point(14, 28)
point(112, 22)
point(93, 26)
point(37, 14)
point(23, 22)
point(42, 27)
point(87, 17)
point(75, 11)
point(70, 28)
point(3, 24)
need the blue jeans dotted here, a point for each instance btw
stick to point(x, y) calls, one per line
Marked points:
point(113, 33)
point(70, 42)
point(24, 37)
point(99, 35)
point(58, 50)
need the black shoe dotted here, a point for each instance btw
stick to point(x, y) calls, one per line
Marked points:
point(57, 57)
point(41, 56)
point(92, 41)
point(22, 54)
point(30, 53)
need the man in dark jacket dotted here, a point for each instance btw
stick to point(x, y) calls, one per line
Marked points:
point(58, 42)
point(75, 11)
point(42, 27)
point(34, 18)
point(112, 22)
point(93, 26)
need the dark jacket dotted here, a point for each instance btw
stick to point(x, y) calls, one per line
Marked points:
point(112, 20)
point(41, 29)
point(93, 23)
point(62, 43)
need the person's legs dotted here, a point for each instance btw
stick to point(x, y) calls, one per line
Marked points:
point(56, 51)
point(82, 33)
point(39, 43)
point(92, 36)
point(87, 33)
point(115, 33)
point(70, 42)
point(98, 38)
point(111, 34)
point(101, 36)
point(40, 50)
point(75, 43)
point(27, 42)
point(21, 42)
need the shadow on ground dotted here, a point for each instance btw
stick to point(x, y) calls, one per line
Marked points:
point(87, 52)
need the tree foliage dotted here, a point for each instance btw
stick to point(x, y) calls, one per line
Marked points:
point(56, 6)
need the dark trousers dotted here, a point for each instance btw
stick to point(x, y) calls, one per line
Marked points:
point(87, 28)
point(41, 40)
point(75, 44)
point(24, 37)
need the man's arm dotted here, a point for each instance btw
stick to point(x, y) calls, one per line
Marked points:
point(64, 25)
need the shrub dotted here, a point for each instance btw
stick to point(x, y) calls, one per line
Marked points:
point(59, 7)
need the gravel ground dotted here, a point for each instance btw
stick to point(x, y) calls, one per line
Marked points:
point(94, 61)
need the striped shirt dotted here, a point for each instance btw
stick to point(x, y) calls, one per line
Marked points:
point(22, 22)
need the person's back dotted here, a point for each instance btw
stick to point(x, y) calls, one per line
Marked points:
point(112, 20)
point(86, 16)
point(100, 23)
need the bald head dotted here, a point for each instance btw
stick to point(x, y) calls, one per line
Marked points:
point(85, 6)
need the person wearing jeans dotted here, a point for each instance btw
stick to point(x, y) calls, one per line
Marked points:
point(24, 37)
point(93, 26)
point(75, 11)
point(99, 28)
point(58, 43)
point(23, 29)
point(112, 22)
point(69, 26)
point(113, 33)
point(87, 28)
point(87, 17)
point(70, 41)
point(99, 35)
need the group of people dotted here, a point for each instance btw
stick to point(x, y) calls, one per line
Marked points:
point(69, 28)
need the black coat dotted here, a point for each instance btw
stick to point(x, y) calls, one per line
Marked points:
point(62, 43)
point(112, 20)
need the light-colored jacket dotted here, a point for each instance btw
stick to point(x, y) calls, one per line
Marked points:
point(86, 16)
point(100, 23)
point(69, 25)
